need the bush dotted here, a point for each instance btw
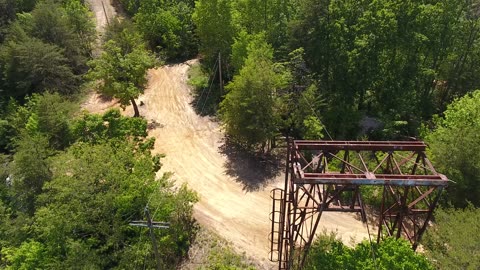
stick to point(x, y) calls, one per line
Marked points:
point(327, 252)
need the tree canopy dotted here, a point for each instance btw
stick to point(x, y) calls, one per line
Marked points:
point(45, 48)
point(121, 70)
point(248, 109)
point(454, 149)
point(74, 205)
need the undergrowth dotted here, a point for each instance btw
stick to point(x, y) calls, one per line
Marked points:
point(211, 252)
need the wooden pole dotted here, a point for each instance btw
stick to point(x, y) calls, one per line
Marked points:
point(154, 241)
point(220, 73)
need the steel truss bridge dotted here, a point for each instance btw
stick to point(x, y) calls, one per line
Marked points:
point(328, 176)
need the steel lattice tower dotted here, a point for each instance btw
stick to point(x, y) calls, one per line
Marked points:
point(328, 175)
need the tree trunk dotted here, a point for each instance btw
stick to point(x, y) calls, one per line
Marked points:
point(135, 108)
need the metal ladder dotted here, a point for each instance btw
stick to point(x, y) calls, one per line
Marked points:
point(277, 219)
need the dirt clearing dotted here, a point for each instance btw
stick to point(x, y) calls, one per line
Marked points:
point(195, 153)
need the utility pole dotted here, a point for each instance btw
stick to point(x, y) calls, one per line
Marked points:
point(152, 235)
point(151, 225)
point(220, 73)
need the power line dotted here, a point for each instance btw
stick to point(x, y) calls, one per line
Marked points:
point(314, 112)
point(210, 88)
point(212, 74)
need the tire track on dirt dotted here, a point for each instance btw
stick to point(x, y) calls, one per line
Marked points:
point(192, 145)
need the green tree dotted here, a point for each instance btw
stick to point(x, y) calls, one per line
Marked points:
point(104, 185)
point(53, 114)
point(248, 108)
point(452, 242)
point(47, 114)
point(30, 255)
point(239, 50)
point(7, 15)
point(453, 148)
point(393, 60)
point(95, 188)
point(121, 73)
point(34, 66)
point(168, 26)
point(301, 102)
point(45, 49)
point(81, 22)
point(215, 29)
point(30, 170)
point(69, 27)
point(95, 128)
point(270, 17)
point(8, 11)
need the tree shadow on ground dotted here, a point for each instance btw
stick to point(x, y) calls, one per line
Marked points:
point(104, 98)
point(253, 170)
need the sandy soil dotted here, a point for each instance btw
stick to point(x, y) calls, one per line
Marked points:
point(234, 192)
point(231, 204)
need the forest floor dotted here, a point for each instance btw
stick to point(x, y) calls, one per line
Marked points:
point(234, 190)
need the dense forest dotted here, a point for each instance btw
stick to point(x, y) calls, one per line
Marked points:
point(72, 181)
point(307, 69)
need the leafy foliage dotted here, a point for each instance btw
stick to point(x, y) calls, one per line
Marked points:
point(30, 170)
point(456, 137)
point(389, 59)
point(215, 28)
point(45, 49)
point(79, 201)
point(452, 243)
point(47, 114)
point(30, 255)
point(168, 27)
point(34, 66)
point(248, 109)
point(121, 69)
point(328, 253)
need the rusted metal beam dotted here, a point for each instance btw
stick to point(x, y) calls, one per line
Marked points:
point(361, 179)
point(326, 176)
point(360, 145)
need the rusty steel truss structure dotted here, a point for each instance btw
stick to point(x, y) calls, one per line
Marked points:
point(331, 175)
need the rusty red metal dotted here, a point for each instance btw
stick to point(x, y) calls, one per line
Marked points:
point(328, 176)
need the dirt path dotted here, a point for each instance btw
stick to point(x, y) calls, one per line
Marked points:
point(194, 148)
point(103, 12)
point(97, 7)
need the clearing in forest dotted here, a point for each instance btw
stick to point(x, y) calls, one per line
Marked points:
point(234, 192)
